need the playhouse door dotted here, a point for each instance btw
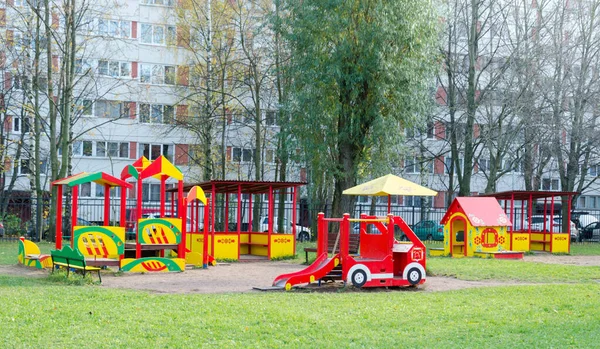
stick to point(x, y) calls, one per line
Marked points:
point(458, 246)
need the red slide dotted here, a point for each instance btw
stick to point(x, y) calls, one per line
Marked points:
point(321, 266)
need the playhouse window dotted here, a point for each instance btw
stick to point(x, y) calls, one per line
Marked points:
point(489, 238)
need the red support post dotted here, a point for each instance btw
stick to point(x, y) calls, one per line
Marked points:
point(239, 217)
point(226, 215)
point(250, 213)
point(138, 247)
point(344, 237)
point(59, 198)
point(106, 204)
point(294, 216)
point(271, 209)
point(182, 215)
point(163, 194)
point(123, 219)
point(205, 235)
point(75, 193)
point(213, 199)
point(321, 234)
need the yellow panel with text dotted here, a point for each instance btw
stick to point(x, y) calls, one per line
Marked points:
point(282, 245)
point(560, 243)
point(226, 246)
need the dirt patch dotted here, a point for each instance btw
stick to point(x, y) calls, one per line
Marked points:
point(241, 277)
point(567, 260)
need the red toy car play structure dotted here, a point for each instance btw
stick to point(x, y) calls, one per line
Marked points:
point(382, 260)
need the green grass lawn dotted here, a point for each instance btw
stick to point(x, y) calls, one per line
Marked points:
point(564, 311)
point(37, 314)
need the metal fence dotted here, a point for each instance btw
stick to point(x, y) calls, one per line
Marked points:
point(19, 216)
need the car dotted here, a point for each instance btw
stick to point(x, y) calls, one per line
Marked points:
point(590, 232)
point(429, 230)
point(302, 233)
point(555, 226)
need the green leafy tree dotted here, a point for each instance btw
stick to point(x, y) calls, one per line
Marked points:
point(360, 72)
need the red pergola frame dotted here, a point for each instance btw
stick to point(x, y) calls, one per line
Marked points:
point(239, 188)
point(530, 197)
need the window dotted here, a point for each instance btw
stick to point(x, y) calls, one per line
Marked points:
point(448, 162)
point(484, 164)
point(114, 28)
point(99, 190)
point(82, 66)
point(100, 149)
point(24, 167)
point(83, 107)
point(156, 113)
point(550, 184)
point(416, 132)
point(115, 192)
point(155, 34)
point(118, 150)
point(157, 74)
point(410, 166)
point(20, 82)
point(77, 148)
point(150, 192)
point(21, 125)
point(85, 190)
point(111, 109)
point(153, 151)
point(413, 201)
point(114, 68)
point(270, 156)
point(242, 154)
point(87, 148)
point(594, 170)
point(271, 118)
point(158, 2)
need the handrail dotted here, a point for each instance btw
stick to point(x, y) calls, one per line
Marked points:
point(369, 220)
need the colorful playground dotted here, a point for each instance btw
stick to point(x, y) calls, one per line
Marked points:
point(367, 251)
point(233, 275)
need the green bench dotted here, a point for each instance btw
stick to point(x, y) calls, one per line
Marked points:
point(69, 258)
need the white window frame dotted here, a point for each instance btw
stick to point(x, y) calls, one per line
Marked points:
point(170, 150)
point(153, 109)
point(169, 33)
point(165, 3)
point(123, 68)
point(156, 74)
point(17, 125)
point(111, 24)
point(22, 164)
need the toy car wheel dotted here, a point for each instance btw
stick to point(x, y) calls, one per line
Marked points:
point(303, 236)
point(414, 276)
point(359, 278)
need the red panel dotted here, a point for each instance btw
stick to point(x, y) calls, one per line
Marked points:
point(7, 123)
point(439, 200)
point(132, 193)
point(438, 167)
point(181, 113)
point(134, 29)
point(9, 38)
point(55, 63)
point(228, 153)
point(2, 17)
point(7, 80)
point(55, 22)
point(134, 70)
point(2, 59)
point(183, 74)
point(441, 96)
point(132, 110)
point(303, 174)
point(181, 154)
point(440, 130)
point(133, 151)
point(476, 131)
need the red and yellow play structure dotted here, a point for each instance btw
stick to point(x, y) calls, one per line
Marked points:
point(545, 238)
point(235, 237)
point(381, 261)
point(476, 226)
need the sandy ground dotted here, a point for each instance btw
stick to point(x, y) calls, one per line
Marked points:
point(243, 277)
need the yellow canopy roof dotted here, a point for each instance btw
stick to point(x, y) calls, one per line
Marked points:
point(389, 185)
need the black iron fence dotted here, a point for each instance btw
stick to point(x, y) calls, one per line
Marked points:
point(19, 217)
